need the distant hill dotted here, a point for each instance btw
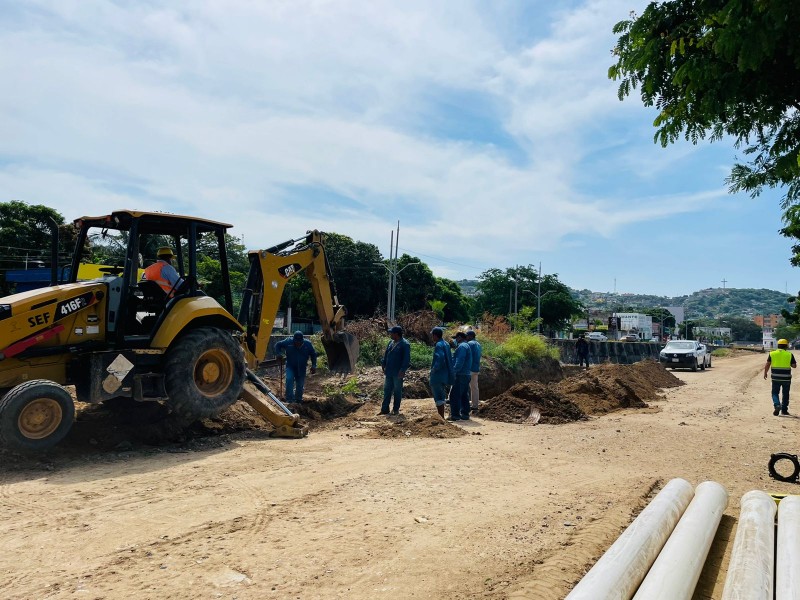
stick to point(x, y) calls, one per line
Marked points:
point(708, 303)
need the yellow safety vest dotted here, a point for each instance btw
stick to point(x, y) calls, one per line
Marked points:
point(781, 364)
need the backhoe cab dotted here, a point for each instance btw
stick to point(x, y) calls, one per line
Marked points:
point(120, 336)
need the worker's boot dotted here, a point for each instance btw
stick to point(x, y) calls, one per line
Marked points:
point(440, 410)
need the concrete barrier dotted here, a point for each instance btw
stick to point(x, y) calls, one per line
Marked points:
point(624, 353)
point(677, 569)
point(751, 570)
point(624, 565)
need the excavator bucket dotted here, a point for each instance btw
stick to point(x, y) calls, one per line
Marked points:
point(342, 352)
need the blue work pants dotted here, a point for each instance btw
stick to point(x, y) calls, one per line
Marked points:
point(783, 387)
point(439, 393)
point(392, 386)
point(295, 380)
point(459, 397)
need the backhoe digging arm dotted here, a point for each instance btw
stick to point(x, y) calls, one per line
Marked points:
point(270, 271)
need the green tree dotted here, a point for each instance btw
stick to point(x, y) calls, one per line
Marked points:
point(437, 306)
point(209, 275)
point(360, 280)
point(458, 306)
point(789, 332)
point(416, 284)
point(558, 304)
point(25, 237)
point(722, 68)
point(496, 287)
point(496, 290)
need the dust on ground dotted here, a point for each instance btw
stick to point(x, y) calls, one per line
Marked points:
point(598, 390)
point(517, 512)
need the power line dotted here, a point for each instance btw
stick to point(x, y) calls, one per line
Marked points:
point(441, 259)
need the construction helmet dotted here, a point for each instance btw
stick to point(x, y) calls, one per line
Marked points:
point(783, 342)
point(165, 251)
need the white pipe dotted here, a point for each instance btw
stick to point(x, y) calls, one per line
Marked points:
point(750, 573)
point(787, 563)
point(621, 569)
point(677, 569)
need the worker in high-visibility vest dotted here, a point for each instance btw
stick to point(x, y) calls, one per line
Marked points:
point(163, 273)
point(780, 362)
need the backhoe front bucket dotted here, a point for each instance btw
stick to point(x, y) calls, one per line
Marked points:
point(342, 352)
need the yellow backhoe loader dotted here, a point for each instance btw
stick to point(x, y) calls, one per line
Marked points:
point(121, 336)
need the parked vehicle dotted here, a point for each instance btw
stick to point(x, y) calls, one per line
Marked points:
point(631, 337)
point(685, 354)
point(596, 336)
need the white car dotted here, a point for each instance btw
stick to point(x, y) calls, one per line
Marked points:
point(685, 354)
point(596, 336)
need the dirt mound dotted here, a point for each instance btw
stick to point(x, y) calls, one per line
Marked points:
point(506, 408)
point(595, 391)
point(421, 426)
point(610, 386)
point(656, 374)
point(515, 405)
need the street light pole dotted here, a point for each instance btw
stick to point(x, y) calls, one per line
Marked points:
point(539, 302)
point(391, 299)
point(539, 306)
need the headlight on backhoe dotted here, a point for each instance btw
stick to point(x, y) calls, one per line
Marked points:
point(5, 311)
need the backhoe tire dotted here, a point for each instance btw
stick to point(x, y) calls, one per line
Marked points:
point(204, 371)
point(35, 416)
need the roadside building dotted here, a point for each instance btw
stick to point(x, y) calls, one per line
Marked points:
point(637, 323)
point(767, 321)
point(768, 338)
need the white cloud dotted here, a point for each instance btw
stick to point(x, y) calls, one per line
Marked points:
point(239, 111)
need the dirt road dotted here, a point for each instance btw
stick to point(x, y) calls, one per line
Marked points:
point(517, 511)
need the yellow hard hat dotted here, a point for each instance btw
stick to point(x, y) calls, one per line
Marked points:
point(783, 342)
point(165, 251)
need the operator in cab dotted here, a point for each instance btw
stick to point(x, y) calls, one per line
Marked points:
point(298, 350)
point(163, 273)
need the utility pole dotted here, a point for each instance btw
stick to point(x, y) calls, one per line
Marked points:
point(391, 282)
point(393, 271)
point(539, 302)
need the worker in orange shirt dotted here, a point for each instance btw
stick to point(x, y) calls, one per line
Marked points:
point(163, 273)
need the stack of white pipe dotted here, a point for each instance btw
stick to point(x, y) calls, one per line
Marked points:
point(622, 568)
point(750, 573)
point(677, 569)
point(661, 554)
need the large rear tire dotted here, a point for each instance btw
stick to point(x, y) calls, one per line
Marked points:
point(35, 416)
point(204, 372)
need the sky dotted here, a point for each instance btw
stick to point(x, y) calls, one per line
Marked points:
point(488, 129)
